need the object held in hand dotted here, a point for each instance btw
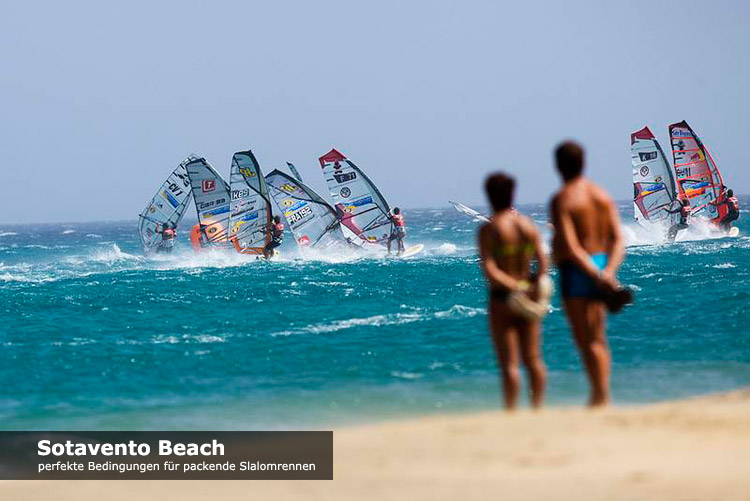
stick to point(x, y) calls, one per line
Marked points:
point(617, 299)
point(526, 307)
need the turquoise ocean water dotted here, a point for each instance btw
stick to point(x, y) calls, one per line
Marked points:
point(96, 336)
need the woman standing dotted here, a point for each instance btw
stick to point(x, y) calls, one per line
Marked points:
point(518, 298)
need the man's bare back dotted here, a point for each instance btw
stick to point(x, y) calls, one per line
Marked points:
point(586, 221)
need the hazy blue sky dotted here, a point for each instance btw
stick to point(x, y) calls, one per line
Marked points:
point(101, 100)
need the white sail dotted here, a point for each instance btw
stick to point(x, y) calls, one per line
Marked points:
point(166, 207)
point(250, 205)
point(358, 203)
point(475, 215)
point(312, 221)
point(211, 195)
point(654, 187)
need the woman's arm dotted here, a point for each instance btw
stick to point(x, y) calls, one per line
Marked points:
point(495, 276)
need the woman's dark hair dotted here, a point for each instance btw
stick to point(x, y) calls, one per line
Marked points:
point(569, 159)
point(499, 188)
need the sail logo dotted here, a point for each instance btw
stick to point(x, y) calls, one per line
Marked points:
point(304, 240)
point(644, 171)
point(237, 194)
point(171, 199)
point(175, 189)
point(185, 180)
point(215, 212)
point(680, 133)
point(245, 219)
point(291, 209)
point(287, 187)
point(208, 185)
point(345, 192)
point(299, 215)
point(247, 172)
point(361, 202)
point(344, 178)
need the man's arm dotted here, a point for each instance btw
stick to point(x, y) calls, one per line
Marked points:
point(496, 276)
point(563, 224)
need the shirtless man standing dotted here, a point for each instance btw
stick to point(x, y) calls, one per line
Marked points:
point(507, 244)
point(588, 249)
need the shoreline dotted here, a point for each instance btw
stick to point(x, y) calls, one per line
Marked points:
point(693, 448)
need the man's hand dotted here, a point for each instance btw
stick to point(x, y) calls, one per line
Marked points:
point(606, 280)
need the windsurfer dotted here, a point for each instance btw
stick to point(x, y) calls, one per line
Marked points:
point(276, 228)
point(398, 232)
point(588, 248)
point(684, 211)
point(733, 210)
point(168, 236)
point(508, 244)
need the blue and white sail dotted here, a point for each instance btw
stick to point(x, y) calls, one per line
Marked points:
point(211, 193)
point(654, 186)
point(250, 205)
point(360, 206)
point(311, 219)
point(166, 207)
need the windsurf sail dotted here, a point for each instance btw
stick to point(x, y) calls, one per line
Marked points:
point(166, 207)
point(211, 195)
point(698, 177)
point(313, 222)
point(476, 215)
point(294, 171)
point(250, 205)
point(358, 203)
point(654, 186)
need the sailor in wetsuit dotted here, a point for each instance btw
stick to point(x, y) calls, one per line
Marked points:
point(684, 211)
point(733, 210)
point(399, 231)
point(277, 234)
point(168, 237)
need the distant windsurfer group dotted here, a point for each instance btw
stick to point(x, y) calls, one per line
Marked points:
point(240, 214)
point(691, 188)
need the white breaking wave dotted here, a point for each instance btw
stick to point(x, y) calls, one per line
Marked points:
point(7, 233)
point(454, 312)
point(446, 249)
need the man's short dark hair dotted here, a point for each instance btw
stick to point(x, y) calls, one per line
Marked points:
point(730, 193)
point(499, 188)
point(569, 159)
point(396, 210)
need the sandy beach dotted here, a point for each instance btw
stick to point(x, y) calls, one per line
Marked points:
point(691, 449)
